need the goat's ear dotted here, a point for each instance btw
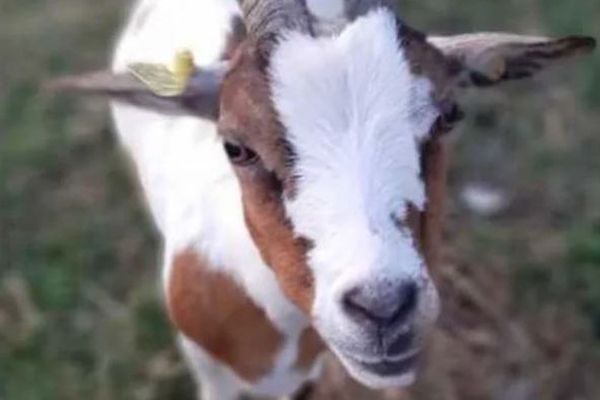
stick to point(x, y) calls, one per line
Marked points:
point(198, 96)
point(487, 59)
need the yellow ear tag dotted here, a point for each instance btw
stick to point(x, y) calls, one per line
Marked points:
point(163, 81)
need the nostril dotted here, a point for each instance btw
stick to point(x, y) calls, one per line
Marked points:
point(356, 304)
point(408, 298)
point(385, 307)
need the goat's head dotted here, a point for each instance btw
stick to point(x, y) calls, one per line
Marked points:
point(331, 113)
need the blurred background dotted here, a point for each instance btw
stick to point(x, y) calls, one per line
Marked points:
point(80, 313)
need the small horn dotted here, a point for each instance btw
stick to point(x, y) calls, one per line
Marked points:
point(357, 8)
point(265, 18)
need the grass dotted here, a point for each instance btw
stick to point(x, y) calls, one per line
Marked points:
point(80, 315)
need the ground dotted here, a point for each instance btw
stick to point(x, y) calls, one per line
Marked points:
point(80, 314)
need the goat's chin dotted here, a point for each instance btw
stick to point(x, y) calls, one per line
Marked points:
point(377, 381)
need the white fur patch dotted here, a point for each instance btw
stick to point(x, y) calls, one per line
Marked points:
point(214, 381)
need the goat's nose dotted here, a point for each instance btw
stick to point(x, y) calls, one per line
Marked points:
point(386, 308)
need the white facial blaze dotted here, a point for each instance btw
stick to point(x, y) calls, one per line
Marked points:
point(355, 116)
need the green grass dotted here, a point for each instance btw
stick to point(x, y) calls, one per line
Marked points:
point(80, 315)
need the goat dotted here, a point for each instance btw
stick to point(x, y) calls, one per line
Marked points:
point(297, 175)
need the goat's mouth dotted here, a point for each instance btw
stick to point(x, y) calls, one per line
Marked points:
point(385, 372)
point(391, 367)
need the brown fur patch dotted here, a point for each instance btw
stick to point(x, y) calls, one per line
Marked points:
point(435, 164)
point(248, 118)
point(275, 239)
point(414, 222)
point(310, 347)
point(213, 311)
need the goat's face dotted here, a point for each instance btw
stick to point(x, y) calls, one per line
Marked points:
point(335, 141)
point(326, 138)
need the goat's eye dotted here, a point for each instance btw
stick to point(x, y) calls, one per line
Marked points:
point(240, 155)
point(451, 115)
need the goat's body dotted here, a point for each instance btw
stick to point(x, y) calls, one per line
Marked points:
point(192, 192)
